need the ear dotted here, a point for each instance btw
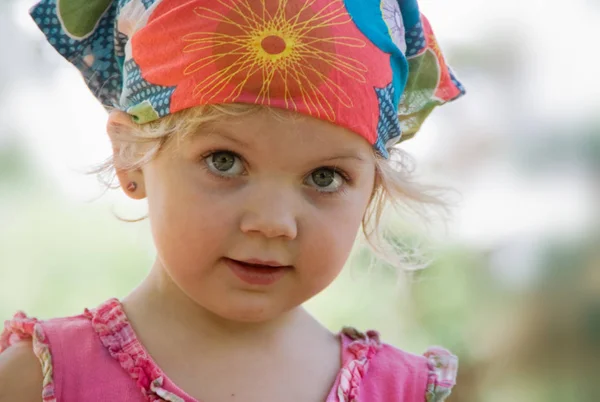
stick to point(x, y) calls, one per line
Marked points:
point(119, 127)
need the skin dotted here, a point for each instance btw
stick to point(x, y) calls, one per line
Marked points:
point(294, 191)
point(20, 374)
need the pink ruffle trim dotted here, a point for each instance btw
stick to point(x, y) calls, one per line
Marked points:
point(22, 328)
point(116, 334)
point(362, 348)
point(443, 368)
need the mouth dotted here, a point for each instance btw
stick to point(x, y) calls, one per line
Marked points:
point(257, 272)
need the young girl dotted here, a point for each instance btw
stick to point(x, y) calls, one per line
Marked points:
point(259, 131)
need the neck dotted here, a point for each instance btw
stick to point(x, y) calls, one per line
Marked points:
point(159, 299)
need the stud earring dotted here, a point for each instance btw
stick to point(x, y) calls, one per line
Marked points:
point(132, 186)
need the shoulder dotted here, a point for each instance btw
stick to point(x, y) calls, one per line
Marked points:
point(27, 350)
point(391, 361)
point(20, 374)
point(387, 371)
point(428, 377)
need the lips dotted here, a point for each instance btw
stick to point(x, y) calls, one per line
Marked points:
point(257, 272)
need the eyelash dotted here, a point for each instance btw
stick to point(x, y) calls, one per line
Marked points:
point(343, 189)
point(215, 151)
point(347, 179)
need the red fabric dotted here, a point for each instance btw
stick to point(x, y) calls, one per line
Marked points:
point(211, 51)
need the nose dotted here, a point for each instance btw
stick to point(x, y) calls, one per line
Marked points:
point(270, 212)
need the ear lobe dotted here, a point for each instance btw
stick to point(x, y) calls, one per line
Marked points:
point(132, 183)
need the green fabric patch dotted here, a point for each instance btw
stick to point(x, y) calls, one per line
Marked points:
point(143, 112)
point(423, 80)
point(79, 18)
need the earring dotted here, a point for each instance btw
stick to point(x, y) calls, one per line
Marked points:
point(132, 186)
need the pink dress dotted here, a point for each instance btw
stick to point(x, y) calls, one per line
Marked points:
point(96, 356)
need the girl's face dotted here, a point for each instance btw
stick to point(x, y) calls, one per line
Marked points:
point(256, 214)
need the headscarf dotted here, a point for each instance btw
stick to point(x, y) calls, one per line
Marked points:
point(371, 66)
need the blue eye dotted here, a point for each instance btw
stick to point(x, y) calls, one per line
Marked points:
point(326, 180)
point(224, 163)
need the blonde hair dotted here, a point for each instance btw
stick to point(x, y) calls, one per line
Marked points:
point(394, 183)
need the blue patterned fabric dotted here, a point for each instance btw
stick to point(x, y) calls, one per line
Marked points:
point(139, 91)
point(415, 40)
point(388, 128)
point(94, 56)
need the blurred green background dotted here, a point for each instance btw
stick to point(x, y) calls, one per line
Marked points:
point(514, 283)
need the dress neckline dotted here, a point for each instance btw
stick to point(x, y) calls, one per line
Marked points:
point(116, 333)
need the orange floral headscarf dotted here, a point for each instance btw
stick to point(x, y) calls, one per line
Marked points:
point(372, 66)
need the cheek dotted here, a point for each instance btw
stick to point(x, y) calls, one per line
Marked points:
point(188, 223)
point(329, 238)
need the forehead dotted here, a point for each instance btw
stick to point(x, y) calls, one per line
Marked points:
point(282, 130)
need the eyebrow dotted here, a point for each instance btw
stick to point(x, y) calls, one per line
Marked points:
point(345, 156)
point(222, 134)
point(246, 145)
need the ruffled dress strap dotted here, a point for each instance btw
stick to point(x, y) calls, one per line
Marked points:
point(373, 371)
point(443, 368)
point(360, 351)
point(116, 334)
point(22, 328)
